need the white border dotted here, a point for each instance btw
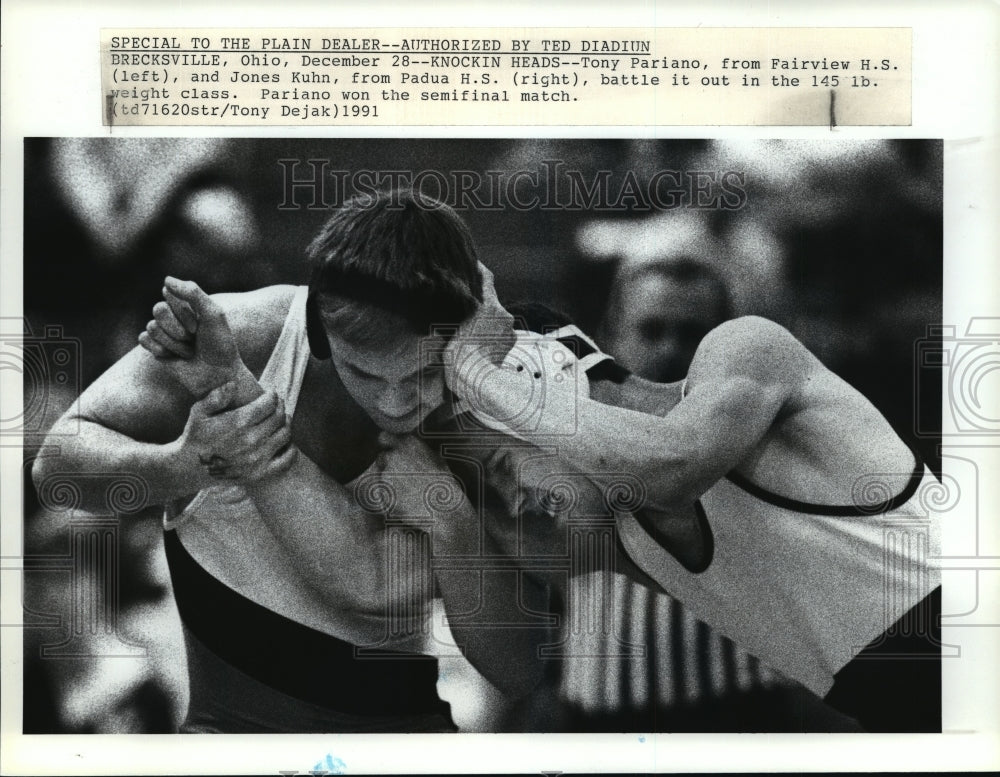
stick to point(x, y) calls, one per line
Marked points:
point(955, 96)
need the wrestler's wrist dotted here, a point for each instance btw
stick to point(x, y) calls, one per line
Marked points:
point(246, 387)
point(178, 470)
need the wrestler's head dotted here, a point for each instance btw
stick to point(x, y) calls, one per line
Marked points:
point(659, 312)
point(387, 268)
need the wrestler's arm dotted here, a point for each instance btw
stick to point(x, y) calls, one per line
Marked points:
point(742, 376)
point(135, 417)
point(320, 528)
point(494, 523)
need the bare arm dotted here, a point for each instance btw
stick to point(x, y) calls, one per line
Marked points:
point(334, 542)
point(743, 376)
point(136, 417)
point(130, 420)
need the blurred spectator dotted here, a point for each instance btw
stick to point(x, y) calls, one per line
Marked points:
point(107, 220)
point(658, 314)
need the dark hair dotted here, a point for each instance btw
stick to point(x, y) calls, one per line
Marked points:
point(399, 250)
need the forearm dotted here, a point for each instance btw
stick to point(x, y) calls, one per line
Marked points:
point(321, 527)
point(89, 454)
point(93, 456)
point(677, 456)
point(503, 643)
point(662, 454)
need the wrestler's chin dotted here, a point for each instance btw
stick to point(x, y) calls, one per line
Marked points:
point(404, 424)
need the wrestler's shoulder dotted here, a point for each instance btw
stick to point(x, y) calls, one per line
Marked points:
point(256, 318)
point(753, 346)
point(751, 331)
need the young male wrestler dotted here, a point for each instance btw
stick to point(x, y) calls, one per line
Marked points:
point(509, 659)
point(272, 635)
point(780, 506)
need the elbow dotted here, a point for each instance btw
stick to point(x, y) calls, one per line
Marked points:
point(40, 469)
point(45, 464)
point(60, 455)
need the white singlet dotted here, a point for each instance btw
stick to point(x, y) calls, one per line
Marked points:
point(803, 587)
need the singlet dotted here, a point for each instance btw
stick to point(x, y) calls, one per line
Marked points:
point(228, 568)
point(803, 587)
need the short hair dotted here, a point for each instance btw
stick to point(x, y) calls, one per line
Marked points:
point(399, 250)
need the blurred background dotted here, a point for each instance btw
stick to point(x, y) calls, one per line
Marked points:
point(645, 244)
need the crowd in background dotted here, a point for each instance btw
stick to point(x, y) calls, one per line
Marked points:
point(839, 241)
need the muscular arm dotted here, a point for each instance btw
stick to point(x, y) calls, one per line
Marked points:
point(131, 419)
point(331, 539)
point(742, 378)
point(325, 528)
point(496, 523)
point(744, 374)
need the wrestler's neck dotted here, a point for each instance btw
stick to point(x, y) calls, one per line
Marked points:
point(635, 393)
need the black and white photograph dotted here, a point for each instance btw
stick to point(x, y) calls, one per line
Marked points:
point(499, 388)
point(514, 435)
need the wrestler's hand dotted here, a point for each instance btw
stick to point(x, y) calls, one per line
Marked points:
point(489, 332)
point(246, 443)
point(189, 332)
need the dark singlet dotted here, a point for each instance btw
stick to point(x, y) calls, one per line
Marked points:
point(296, 660)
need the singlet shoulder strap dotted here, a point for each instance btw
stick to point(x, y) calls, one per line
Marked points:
point(284, 370)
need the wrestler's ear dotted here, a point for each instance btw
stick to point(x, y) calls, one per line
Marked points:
point(319, 346)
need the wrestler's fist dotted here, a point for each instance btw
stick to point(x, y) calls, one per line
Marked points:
point(189, 332)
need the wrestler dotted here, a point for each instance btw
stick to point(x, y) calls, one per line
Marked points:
point(780, 506)
point(253, 424)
